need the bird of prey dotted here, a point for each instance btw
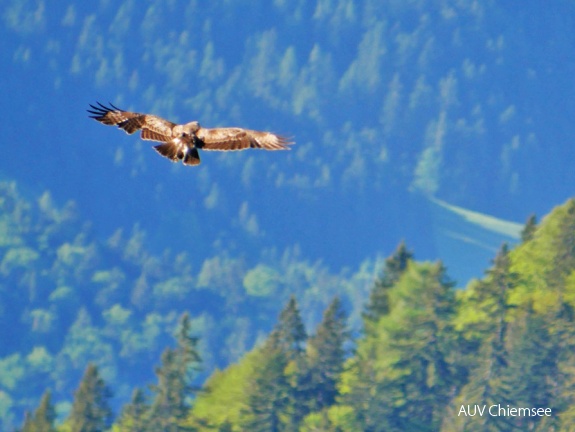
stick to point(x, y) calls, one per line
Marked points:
point(182, 141)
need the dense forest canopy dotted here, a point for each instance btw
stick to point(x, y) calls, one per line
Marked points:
point(425, 352)
point(422, 121)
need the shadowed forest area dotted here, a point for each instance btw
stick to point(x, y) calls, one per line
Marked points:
point(425, 350)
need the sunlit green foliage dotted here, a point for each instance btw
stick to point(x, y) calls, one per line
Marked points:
point(379, 302)
point(115, 303)
point(394, 91)
point(223, 397)
point(408, 361)
point(429, 350)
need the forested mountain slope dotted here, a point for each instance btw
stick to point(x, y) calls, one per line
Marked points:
point(469, 102)
point(426, 353)
point(413, 120)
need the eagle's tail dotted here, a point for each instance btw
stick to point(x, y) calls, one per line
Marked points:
point(192, 157)
point(188, 156)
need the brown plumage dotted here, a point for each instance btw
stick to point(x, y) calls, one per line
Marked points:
point(181, 142)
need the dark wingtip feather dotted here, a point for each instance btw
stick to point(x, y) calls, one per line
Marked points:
point(98, 111)
point(101, 110)
point(115, 107)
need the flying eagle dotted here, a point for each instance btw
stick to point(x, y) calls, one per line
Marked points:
point(182, 141)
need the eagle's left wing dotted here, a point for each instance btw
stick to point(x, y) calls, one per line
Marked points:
point(226, 139)
point(153, 128)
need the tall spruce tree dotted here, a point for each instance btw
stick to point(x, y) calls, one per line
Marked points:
point(269, 394)
point(325, 357)
point(175, 375)
point(276, 400)
point(529, 228)
point(27, 425)
point(421, 336)
point(402, 376)
point(378, 304)
point(90, 410)
point(488, 302)
point(135, 415)
point(291, 339)
point(291, 334)
point(42, 420)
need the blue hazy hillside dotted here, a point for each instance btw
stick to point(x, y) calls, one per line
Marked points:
point(387, 102)
point(408, 117)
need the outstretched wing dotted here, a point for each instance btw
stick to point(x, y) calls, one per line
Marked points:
point(153, 128)
point(226, 139)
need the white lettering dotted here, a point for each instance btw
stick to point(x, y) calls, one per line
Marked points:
point(472, 412)
point(503, 411)
point(525, 412)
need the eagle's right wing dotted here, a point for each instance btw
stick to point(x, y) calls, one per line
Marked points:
point(226, 139)
point(153, 128)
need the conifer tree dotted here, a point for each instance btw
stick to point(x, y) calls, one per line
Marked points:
point(529, 229)
point(488, 303)
point(291, 339)
point(402, 375)
point(534, 377)
point(269, 396)
point(422, 337)
point(378, 304)
point(291, 334)
point(42, 420)
point(490, 298)
point(174, 389)
point(28, 425)
point(276, 400)
point(90, 409)
point(325, 357)
point(563, 244)
point(135, 415)
point(169, 407)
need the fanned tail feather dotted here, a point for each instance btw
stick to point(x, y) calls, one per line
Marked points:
point(192, 157)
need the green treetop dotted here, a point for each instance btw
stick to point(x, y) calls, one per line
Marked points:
point(378, 304)
point(90, 409)
point(43, 418)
